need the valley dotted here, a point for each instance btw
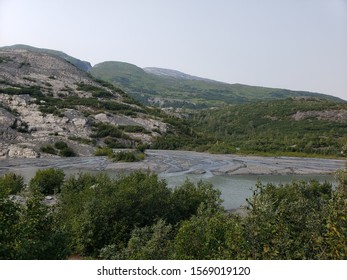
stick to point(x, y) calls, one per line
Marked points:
point(49, 99)
point(223, 171)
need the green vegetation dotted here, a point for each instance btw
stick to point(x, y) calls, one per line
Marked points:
point(30, 231)
point(60, 148)
point(128, 156)
point(11, 183)
point(186, 93)
point(48, 149)
point(133, 129)
point(125, 156)
point(103, 130)
point(265, 128)
point(97, 92)
point(104, 151)
point(22, 127)
point(47, 181)
point(82, 140)
point(147, 220)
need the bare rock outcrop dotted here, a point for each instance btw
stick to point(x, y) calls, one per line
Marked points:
point(44, 99)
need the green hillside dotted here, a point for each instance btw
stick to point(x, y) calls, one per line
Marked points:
point(283, 127)
point(190, 92)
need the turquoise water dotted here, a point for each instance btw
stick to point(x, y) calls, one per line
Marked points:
point(235, 189)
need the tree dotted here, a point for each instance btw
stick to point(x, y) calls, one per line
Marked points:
point(11, 183)
point(47, 181)
point(38, 235)
point(334, 243)
point(29, 230)
point(186, 199)
point(205, 235)
point(108, 209)
point(286, 222)
point(146, 243)
point(9, 217)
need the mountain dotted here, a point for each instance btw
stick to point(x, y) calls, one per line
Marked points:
point(46, 100)
point(170, 88)
point(83, 65)
point(50, 107)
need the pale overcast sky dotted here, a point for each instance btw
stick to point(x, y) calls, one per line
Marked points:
point(294, 44)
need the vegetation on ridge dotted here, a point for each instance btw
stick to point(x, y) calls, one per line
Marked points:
point(168, 91)
point(314, 127)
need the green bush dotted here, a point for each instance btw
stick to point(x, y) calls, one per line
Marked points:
point(11, 183)
point(126, 156)
point(104, 151)
point(60, 145)
point(47, 181)
point(133, 129)
point(29, 231)
point(67, 152)
point(49, 149)
point(103, 130)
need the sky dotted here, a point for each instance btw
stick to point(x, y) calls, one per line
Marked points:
point(293, 44)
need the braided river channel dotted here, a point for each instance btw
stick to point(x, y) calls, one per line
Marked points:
point(235, 176)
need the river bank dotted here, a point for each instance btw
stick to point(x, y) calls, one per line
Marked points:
point(186, 162)
point(233, 175)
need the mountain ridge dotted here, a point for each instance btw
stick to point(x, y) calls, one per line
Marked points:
point(172, 88)
point(46, 100)
point(173, 74)
point(83, 65)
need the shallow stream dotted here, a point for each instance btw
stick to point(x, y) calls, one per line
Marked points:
point(234, 176)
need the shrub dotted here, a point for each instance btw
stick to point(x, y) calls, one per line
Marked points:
point(104, 151)
point(67, 152)
point(11, 183)
point(126, 156)
point(60, 145)
point(47, 181)
point(133, 129)
point(103, 130)
point(48, 149)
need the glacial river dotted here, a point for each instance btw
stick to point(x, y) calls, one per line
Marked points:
point(235, 176)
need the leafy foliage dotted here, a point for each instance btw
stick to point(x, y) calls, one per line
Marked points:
point(30, 231)
point(136, 200)
point(266, 128)
point(137, 216)
point(47, 181)
point(11, 183)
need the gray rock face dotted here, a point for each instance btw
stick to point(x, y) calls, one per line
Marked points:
point(45, 99)
point(51, 73)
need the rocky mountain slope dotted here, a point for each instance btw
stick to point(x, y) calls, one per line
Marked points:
point(49, 107)
point(83, 65)
point(170, 88)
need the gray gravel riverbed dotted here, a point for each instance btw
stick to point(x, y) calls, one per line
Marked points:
point(233, 175)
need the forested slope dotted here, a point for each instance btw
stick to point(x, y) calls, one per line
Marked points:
point(294, 126)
